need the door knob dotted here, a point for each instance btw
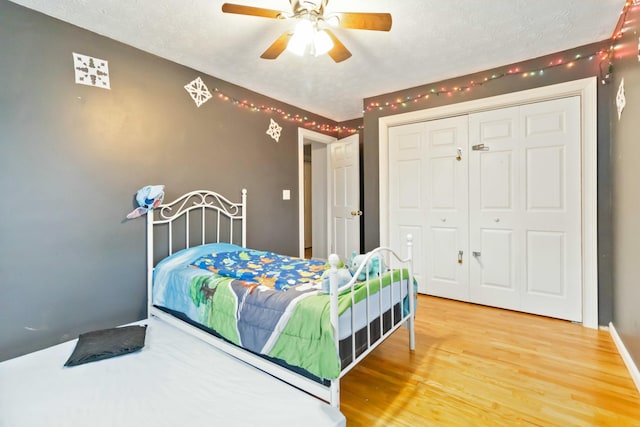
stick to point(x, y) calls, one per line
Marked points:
point(356, 213)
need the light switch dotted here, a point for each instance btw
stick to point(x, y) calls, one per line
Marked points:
point(286, 194)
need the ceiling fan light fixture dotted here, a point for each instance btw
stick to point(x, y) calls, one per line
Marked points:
point(322, 43)
point(307, 37)
point(313, 33)
point(302, 37)
point(297, 45)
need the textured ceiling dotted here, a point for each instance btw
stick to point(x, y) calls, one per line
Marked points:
point(430, 40)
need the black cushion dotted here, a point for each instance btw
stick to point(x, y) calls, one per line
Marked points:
point(106, 343)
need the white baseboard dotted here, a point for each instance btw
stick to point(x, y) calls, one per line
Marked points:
point(631, 366)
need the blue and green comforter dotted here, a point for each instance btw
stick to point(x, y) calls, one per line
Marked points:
point(291, 323)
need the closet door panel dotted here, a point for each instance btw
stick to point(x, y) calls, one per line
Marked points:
point(551, 211)
point(546, 188)
point(496, 170)
point(546, 253)
point(525, 180)
point(493, 207)
point(428, 194)
point(444, 155)
point(445, 239)
point(496, 271)
point(407, 195)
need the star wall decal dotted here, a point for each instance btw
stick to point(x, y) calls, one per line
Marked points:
point(198, 91)
point(274, 130)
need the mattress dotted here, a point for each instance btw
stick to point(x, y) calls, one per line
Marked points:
point(176, 379)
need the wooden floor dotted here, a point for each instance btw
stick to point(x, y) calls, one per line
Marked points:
point(480, 366)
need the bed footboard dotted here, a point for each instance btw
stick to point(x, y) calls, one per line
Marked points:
point(361, 293)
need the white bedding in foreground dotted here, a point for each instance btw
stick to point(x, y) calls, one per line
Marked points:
point(175, 380)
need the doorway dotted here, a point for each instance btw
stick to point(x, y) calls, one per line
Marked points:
point(313, 211)
point(334, 202)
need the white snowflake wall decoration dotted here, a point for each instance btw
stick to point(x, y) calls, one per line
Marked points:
point(198, 91)
point(91, 71)
point(274, 130)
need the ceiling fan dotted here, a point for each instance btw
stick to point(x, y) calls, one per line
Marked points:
point(312, 33)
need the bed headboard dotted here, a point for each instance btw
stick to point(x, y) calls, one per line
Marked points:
point(193, 219)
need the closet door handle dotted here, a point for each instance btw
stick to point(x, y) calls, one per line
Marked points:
point(475, 254)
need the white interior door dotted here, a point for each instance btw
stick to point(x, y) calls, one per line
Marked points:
point(345, 197)
point(428, 199)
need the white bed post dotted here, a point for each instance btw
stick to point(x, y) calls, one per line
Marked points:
point(412, 317)
point(333, 301)
point(244, 218)
point(149, 260)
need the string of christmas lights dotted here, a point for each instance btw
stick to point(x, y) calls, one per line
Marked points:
point(398, 103)
point(304, 120)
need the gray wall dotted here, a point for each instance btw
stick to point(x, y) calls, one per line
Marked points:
point(72, 158)
point(498, 86)
point(626, 189)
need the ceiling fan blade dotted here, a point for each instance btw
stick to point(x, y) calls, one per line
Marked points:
point(250, 10)
point(339, 52)
point(277, 47)
point(364, 21)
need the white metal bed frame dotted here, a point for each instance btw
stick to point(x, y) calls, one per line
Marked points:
point(223, 209)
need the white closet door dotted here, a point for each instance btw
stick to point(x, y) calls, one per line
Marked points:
point(551, 217)
point(511, 207)
point(494, 199)
point(525, 208)
point(428, 198)
point(406, 195)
